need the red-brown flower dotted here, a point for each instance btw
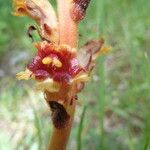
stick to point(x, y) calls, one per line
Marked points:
point(59, 69)
point(57, 62)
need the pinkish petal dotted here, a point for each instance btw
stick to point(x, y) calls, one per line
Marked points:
point(87, 54)
point(83, 57)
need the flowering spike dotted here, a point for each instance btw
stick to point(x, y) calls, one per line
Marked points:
point(60, 71)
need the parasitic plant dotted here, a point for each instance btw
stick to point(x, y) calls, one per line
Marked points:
point(60, 70)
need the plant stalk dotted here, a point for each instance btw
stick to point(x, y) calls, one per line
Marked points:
point(67, 35)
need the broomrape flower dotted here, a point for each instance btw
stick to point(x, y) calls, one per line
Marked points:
point(59, 69)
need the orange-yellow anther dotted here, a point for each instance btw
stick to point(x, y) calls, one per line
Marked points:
point(47, 60)
point(57, 62)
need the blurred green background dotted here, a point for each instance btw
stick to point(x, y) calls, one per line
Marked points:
point(114, 109)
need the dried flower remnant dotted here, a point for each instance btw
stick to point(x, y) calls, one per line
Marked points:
point(43, 13)
point(59, 69)
point(78, 9)
point(58, 110)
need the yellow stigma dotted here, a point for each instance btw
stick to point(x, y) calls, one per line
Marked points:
point(57, 62)
point(47, 60)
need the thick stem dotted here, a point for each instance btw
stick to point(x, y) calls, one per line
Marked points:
point(60, 137)
point(67, 27)
point(67, 35)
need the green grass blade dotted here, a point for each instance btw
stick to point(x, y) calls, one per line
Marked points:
point(79, 135)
